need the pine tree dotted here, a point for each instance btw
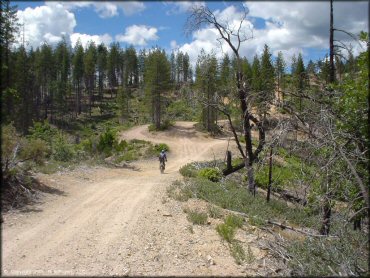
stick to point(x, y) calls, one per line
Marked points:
point(78, 73)
point(180, 67)
point(247, 70)
point(293, 65)
point(102, 67)
point(206, 83)
point(113, 64)
point(130, 67)
point(63, 68)
point(300, 79)
point(280, 72)
point(141, 66)
point(256, 72)
point(157, 82)
point(267, 78)
point(123, 101)
point(9, 28)
point(186, 65)
point(22, 113)
point(225, 74)
point(173, 67)
point(90, 59)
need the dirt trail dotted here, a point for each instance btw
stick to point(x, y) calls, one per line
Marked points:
point(116, 221)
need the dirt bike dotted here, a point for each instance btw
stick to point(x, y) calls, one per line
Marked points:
point(161, 166)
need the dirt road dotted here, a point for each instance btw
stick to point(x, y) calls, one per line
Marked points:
point(105, 221)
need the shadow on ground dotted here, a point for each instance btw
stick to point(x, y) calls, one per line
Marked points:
point(23, 192)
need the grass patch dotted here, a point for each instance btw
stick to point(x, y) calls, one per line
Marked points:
point(197, 218)
point(229, 195)
point(226, 232)
point(237, 252)
point(234, 221)
point(214, 212)
point(285, 176)
point(179, 191)
point(250, 257)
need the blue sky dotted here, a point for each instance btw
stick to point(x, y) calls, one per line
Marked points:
point(290, 27)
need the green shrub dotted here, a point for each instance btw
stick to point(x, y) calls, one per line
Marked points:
point(188, 170)
point(43, 131)
point(35, 149)
point(9, 141)
point(161, 146)
point(62, 150)
point(106, 142)
point(234, 221)
point(212, 174)
point(226, 232)
point(197, 218)
point(121, 146)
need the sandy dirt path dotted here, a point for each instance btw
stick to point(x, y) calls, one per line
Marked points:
point(108, 221)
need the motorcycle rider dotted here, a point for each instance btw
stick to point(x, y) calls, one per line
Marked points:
point(162, 158)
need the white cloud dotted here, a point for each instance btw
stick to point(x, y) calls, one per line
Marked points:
point(290, 27)
point(46, 24)
point(130, 8)
point(105, 9)
point(85, 39)
point(181, 6)
point(173, 44)
point(138, 35)
point(306, 24)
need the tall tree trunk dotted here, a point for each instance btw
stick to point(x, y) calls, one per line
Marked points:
point(270, 177)
point(332, 70)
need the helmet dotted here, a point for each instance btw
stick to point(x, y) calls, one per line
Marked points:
point(162, 151)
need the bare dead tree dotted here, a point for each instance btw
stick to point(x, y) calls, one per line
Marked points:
point(234, 35)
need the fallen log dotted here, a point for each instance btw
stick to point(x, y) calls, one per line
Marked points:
point(283, 226)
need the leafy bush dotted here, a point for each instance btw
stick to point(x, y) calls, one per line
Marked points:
point(35, 149)
point(180, 110)
point(106, 142)
point(197, 218)
point(212, 174)
point(62, 150)
point(9, 141)
point(161, 146)
point(226, 232)
point(121, 146)
point(43, 131)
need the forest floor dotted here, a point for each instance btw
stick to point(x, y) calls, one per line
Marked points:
point(120, 221)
